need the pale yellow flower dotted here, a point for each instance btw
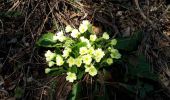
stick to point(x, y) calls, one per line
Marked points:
point(87, 67)
point(115, 54)
point(51, 63)
point(59, 60)
point(83, 39)
point(83, 28)
point(68, 28)
point(66, 52)
point(47, 70)
point(60, 33)
point(86, 22)
point(93, 37)
point(49, 55)
point(109, 61)
point(83, 50)
point(71, 77)
point(71, 61)
point(55, 38)
point(106, 35)
point(78, 61)
point(98, 54)
point(75, 33)
point(91, 70)
point(60, 36)
point(98, 59)
point(113, 42)
point(91, 50)
point(87, 59)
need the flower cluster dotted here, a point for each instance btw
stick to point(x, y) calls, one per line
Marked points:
point(81, 51)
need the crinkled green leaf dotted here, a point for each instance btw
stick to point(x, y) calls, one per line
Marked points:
point(129, 43)
point(73, 69)
point(142, 69)
point(46, 40)
point(76, 48)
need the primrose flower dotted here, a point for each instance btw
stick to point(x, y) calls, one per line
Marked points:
point(98, 59)
point(86, 22)
point(60, 36)
point(78, 61)
point(109, 61)
point(87, 59)
point(83, 39)
point(59, 60)
point(113, 42)
point(60, 33)
point(71, 61)
point(55, 38)
point(98, 54)
point(51, 63)
point(71, 77)
point(49, 55)
point(47, 70)
point(66, 52)
point(93, 37)
point(83, 50)
point(115, 54)
point(87, 67)
point(91, 50)
point(91, 70)
point(83, 28)
point(106, 35)
point(109, 49)
point(75, 33)
point(68, 28)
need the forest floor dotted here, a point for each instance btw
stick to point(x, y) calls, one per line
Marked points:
point(22, 63)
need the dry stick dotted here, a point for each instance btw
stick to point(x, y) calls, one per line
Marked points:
point(26, 19)
point(15, 5)
point(53, 16)
point(42, 25)
point(148, 20)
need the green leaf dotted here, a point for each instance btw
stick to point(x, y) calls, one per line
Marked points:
point(80, 44)
point(142, 69)
point(57, 71)
point(129, 43)
point(80, 74)
point(75, 93)
point(76, 48)
point(46, 40)
point(19, 92)
point(73, 69)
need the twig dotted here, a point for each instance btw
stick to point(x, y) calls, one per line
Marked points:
point(26, 19)
point(14, 5)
